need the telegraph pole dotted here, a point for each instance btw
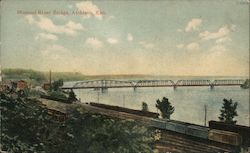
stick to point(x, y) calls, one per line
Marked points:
point(98, 94)
point(205, 119)
point(1, 79)
point(50, 81)
point(123, 99)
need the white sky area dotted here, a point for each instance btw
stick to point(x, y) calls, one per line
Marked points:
point(198, 38)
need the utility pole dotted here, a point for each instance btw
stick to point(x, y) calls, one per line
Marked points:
point(98, 94)
point(1, 79)
point(50, 82)
point(205, 119)
point(123, 99)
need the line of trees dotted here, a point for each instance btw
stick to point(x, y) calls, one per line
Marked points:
point(227, 115)
point(39, 76)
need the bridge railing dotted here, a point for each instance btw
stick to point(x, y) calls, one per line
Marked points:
point(115, 83)
point(103, 84)
point(228, 82)
point(192, 82)
point(151, 83)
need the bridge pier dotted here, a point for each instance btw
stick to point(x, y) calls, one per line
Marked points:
point(104, 90)
point(211, 87)
point(175, 87)
point(135, 89)
point(97, 89)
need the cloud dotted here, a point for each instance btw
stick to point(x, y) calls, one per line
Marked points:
point(29, 18)
point(46, 24)
point(179, 30)
point(55, 56)
point(180, 46)
point(74, 26)
point(222, 40)
point(130, 37)
point(90, 9)
point(46, 36)
point(70, 6)
point(218, 61)
point(193, 46)
point(112, 40)
point(55, 52)
point(110, 17)
point(94, 43)
point(193, 25)
point(218, 49)
point(222, 32)
point(147, 45)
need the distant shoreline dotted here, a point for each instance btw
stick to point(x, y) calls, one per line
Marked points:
point(126, 75)
point(42, 76)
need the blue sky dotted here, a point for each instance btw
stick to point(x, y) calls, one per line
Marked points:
point(169, 37)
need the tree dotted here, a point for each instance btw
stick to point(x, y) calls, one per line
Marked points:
point(26, 126)
point(72, 96)
point(57, 84)
point(95, 133)
point(165, 107)
point(228, 111)
point(246, 84)
point(37, 76)
point(144, 106)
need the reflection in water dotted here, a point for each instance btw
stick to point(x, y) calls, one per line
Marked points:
point(189, 102)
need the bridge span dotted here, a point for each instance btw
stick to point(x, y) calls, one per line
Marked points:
point(105, 84)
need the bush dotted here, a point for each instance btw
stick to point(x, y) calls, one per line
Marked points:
point(57, 94)
point(144, 106)
point(72, 96)
point(27, 127)
point(95, 133)
point(57, 84)
point(23, 123)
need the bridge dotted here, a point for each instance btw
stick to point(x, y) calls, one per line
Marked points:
point(105, 84)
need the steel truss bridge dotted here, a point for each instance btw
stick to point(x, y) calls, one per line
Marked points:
point(105, 84)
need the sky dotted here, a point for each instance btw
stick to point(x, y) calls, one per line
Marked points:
point(171, 37)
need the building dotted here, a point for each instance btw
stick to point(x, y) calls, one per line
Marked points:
point(3, 87)
point(21, 85)
point(46, 86)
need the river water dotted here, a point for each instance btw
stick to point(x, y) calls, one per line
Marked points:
point(189, 102)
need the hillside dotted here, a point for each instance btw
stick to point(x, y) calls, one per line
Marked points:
point(40, 76)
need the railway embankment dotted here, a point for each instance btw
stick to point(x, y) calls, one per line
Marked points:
point(173, 136)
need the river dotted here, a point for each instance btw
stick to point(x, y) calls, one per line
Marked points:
point(189, 102)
